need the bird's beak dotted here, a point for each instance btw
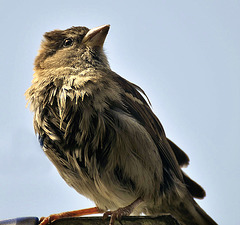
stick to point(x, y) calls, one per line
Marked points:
point(96, 36)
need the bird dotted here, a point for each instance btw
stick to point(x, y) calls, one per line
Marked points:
point(99, 131)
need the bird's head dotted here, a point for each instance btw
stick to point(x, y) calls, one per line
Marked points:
point(74, 47)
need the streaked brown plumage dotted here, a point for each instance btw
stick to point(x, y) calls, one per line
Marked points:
point(101, 134)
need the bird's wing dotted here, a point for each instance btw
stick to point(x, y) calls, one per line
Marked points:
point(138, 108)
point(181, 156)
point(172, 156)
point(194, 188)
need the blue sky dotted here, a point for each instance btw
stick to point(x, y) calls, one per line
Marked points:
point(184, 54)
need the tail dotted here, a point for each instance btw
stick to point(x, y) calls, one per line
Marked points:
point(205, 217)
point(190, 213)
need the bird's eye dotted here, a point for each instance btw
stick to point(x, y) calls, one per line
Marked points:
point(67, 42)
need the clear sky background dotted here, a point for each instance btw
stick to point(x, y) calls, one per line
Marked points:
point(184, 54)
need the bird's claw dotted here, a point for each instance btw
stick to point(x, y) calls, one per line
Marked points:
point(117, 214)
point(46, 220)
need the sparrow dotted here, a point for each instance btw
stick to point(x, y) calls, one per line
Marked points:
point(99, 131)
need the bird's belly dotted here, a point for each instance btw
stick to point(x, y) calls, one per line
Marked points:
point(125, 165)
point(106, 193)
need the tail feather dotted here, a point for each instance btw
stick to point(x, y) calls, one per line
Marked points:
point(206, 218)
point(190, 213)
point(193, 187)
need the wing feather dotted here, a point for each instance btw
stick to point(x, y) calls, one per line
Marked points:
point(137, 106)
point(172, 156)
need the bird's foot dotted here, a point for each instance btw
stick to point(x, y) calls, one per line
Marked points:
point(81, 212)
point(119, 213)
